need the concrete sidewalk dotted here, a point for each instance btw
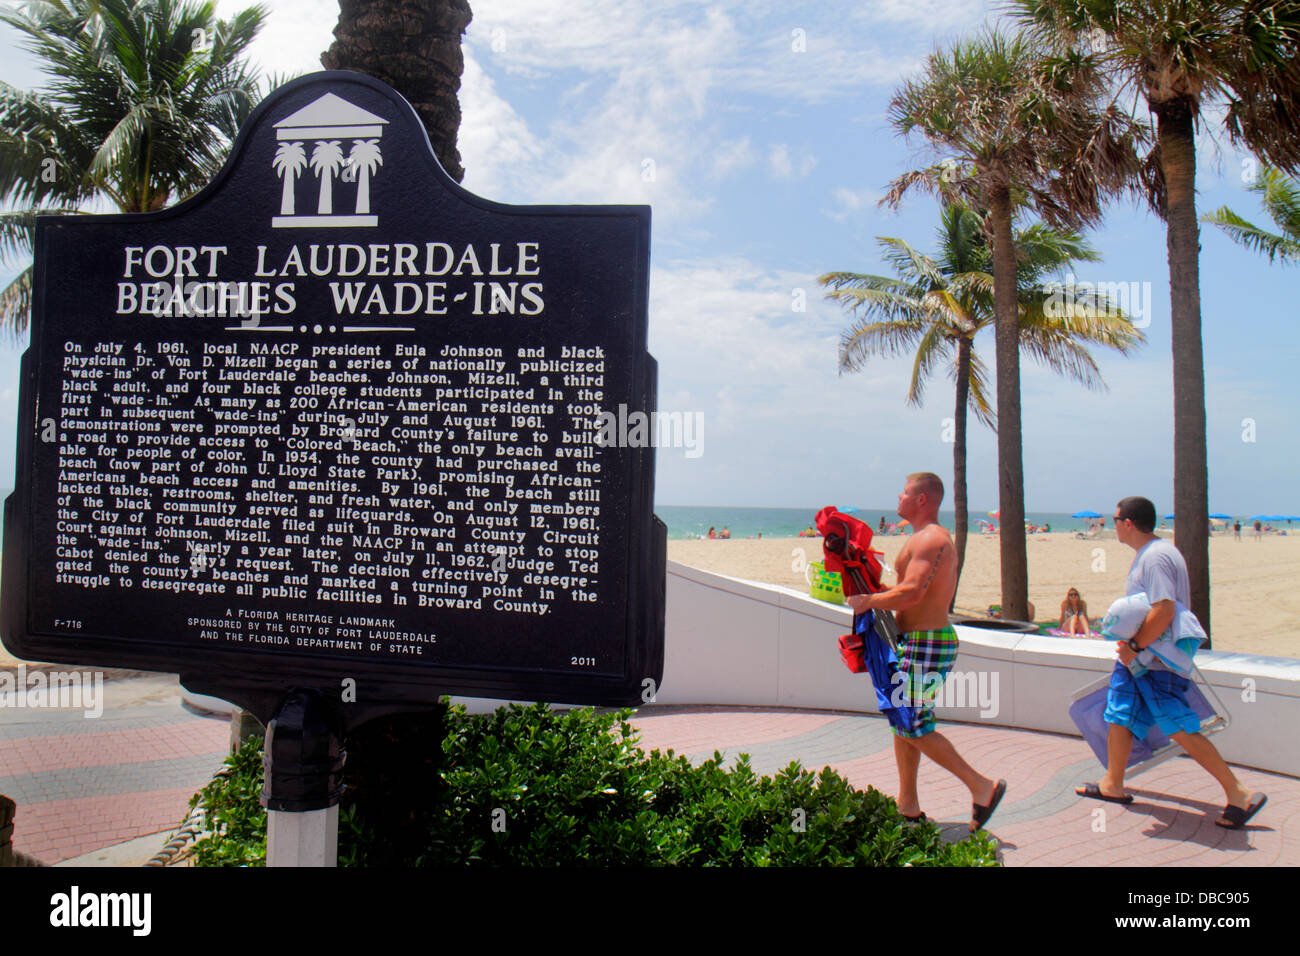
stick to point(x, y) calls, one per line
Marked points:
point(86, 785)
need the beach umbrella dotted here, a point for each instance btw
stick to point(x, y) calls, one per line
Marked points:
point(1222, 517)
point(1086, 514)
point(1259, 518)
point(1169, 517)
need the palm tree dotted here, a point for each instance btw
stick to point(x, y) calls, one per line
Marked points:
point(1281, 198)
point(938, 305)
point(290, 160)
point(363, 160)
point(414, 47)
point(142, 102)
point(1014, 127)
point(1182, 56)
point(326, 159)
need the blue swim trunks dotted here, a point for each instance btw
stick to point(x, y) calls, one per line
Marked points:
point(1156, 699)
point(925, 659)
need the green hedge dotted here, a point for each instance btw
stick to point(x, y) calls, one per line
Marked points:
point(537, 787)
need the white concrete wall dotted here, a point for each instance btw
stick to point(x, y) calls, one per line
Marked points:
point(737, 642)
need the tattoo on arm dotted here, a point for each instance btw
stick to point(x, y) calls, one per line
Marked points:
point(934, 568)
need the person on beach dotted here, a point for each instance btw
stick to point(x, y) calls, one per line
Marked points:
point(712, 533)
point(1074, 615)
point(1157, 697)
point(927, 648)
point(1236, 530)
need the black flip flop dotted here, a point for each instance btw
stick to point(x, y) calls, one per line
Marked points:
point(980, 815)
point(1093, 792)
point(1237, 817)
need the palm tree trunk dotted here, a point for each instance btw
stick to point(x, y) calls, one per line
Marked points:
point(286, 194)
point(959, 504)
point(363, 191)
point(414, 47)
point(1177, 146)
point(326, 205)
point(1011, 472)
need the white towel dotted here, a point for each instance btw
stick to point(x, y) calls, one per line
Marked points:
point(1174, 648)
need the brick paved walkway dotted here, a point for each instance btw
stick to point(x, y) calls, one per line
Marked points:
point(1041, 821)
point(83, 784)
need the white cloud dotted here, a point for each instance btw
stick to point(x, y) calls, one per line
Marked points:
point(731, 156)
point(782, 165)
point(849, 201)
point(733, 45)
point(931, 14)
point(294, 36)
point(494, 139)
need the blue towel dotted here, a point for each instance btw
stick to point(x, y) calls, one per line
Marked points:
point(882, 665)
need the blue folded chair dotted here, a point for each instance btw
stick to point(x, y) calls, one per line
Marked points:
point(1088, 704)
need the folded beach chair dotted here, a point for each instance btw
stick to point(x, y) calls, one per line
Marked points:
point(1088, 704)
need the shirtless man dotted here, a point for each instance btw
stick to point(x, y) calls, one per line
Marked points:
point(927, 578)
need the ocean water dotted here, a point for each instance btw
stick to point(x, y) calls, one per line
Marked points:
point(694, 521)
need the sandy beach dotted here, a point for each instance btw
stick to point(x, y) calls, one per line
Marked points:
point(1255, 586)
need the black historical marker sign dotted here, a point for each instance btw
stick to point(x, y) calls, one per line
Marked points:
point(335, 417)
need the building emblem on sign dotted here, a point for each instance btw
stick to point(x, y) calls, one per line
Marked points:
point(325, 123)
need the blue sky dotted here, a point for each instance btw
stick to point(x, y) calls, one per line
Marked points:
point(756, 131)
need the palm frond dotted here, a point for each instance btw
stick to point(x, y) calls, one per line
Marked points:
point(1253, 237)
point(978, 400)
point(864, 339)
point(16, 303)
point(933, 347)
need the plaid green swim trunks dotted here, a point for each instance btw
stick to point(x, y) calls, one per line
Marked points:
point(924, 660)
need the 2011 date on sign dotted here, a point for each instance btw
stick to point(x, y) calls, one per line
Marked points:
point(582, 661)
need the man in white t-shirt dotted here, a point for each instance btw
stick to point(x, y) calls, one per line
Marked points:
point(1158, 697)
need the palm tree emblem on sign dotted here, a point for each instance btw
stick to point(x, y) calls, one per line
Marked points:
point(364, 159)
point(326, 158)
point(290, 160)
point(326, 122)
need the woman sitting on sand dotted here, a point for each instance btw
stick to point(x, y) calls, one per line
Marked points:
point(712, 532)
point(1074, 615)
